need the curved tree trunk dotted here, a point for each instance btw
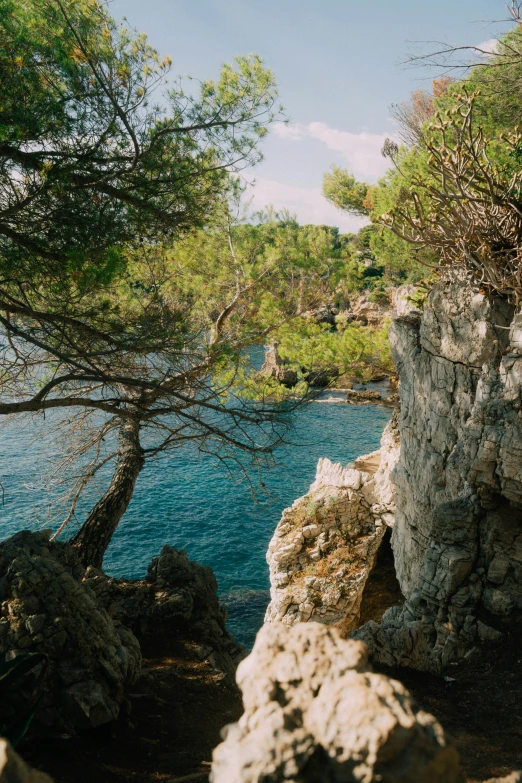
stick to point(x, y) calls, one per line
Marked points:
point(94, 536)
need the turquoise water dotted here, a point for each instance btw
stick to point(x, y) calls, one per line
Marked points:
point(187, 500)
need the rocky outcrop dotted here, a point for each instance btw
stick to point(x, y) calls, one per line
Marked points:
point(275, 367)
point(314, 711)
point(87, 624)
point(324, 547)
point(45, 608)
point(366, 312)
point(14, 770)
point(363, 396)
point(176, 591)
point(457, 538)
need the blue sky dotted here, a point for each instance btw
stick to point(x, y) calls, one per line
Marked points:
point(338, 65)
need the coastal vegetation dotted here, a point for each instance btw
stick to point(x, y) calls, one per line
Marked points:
point(128, 291)
point(134, 281)
point(138, 292)
point(452, 195)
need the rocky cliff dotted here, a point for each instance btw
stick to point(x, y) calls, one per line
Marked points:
point(453, 495)
point(457, 537)
point(324, 547)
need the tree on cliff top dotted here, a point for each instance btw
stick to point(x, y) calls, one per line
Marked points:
point(453, 195)
point(101, 191)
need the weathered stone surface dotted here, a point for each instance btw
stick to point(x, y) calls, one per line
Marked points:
point(515, 777)
point(314, 711)
point(45, 608)
point(274, 367)
point(14, 770)
point(457, 538)
point(363, 396)
point(87, 624)
point(324, 547)
point(176, 591)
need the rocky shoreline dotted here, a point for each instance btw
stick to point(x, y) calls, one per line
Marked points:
point(446, 482)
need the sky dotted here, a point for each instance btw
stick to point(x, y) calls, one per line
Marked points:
point(339, 65)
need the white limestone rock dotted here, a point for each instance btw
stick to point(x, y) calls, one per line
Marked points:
point(457, 538)
point(315, 711)
point(324, 547)
point(14, 770)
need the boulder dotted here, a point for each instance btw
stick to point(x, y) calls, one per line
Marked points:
point(87, 624)
point(46, 608)
point(320, 379)
point(14, 770)
point(515, 777)
point(363, 396)
point(314, 711)
point(176, 592)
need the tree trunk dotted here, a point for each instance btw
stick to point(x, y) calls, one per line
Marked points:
point(94, 536)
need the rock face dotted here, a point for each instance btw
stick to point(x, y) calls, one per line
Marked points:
point(274, 367)
point(457, 538)
point(324, 547)
point(87, 624)
point(14, 770)
point(176, 591)
point(315, 711)
point(365, 312)
point(45, 608)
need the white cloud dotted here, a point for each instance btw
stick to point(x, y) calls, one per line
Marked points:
point(488, 46)
point(362, 151)
point(308, 204)
point(287, 130)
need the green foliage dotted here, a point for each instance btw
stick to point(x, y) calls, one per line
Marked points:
point(345, 192)
point(455, 187)
point(354, 350)
point(90, 163)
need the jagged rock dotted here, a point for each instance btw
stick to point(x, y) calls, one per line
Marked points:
point(324, 547)
point(314, 711)
point(320, 379)
point(45, 608)
point(14, 770)
point(82, 620)
point(176, 591)
point(515, 777)
point(365, 395)
point(368, 313)
point(274, 367)
point(457, 538)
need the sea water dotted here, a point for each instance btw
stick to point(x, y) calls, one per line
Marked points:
point(189, 501)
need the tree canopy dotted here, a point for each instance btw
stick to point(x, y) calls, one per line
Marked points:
point(452, 196)
point(108, 175)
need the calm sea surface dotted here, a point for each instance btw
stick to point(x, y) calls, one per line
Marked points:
point(189, 501)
